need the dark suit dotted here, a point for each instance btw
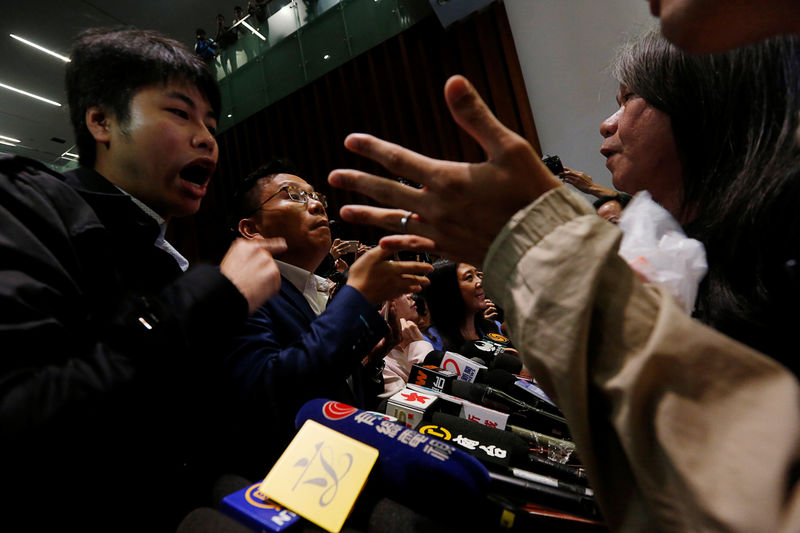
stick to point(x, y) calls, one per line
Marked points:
point(89, 395)
point(284, 356)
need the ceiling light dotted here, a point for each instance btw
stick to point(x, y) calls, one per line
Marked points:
point(7, 143)
point(229, 115)
point(69, 155)
point(41, 48)
point(10, 139)
point(10, 88)
point(326, 57)
point(252, 29)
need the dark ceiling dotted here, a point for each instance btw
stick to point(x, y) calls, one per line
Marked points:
point(53, 24)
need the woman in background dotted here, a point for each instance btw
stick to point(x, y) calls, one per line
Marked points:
point(411, 348)
point(456, 302)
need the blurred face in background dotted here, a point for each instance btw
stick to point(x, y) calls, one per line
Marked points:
point(610, 211)
point(406, 307)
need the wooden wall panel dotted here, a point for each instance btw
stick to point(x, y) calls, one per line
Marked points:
point(393, 91)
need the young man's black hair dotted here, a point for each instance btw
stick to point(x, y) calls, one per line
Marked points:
point(108, 66)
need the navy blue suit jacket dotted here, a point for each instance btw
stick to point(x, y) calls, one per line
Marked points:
point(285, 355)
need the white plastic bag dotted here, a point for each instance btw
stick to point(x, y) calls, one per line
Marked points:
point(655, 246)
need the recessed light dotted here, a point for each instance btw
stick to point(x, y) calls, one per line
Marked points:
point(31, 95)
point(326, 57)
point(40, 48)
point(229, 115)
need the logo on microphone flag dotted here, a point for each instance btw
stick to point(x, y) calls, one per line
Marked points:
point(252, 508)
point(436, 431)
point(496, 337)
point(321, 473)
point(337, 410)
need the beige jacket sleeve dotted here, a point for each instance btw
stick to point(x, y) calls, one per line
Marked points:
point(680, 428)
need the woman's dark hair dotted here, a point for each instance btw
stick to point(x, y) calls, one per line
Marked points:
point(447, 307)
point(108, 66)
point(422, 306)
point(734, 117)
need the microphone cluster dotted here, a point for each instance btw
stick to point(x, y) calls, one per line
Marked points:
point(484, 406)
point(470, 441)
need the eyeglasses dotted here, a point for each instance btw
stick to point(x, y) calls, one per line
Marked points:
point(296, 194)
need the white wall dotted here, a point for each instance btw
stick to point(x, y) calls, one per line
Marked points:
point(565, 47)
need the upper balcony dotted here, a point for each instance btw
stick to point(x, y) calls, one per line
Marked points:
point(297, 41)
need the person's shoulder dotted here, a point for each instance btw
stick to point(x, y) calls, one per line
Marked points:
point(349, 300)
point(275, 308)
point(22, 175)
point(15, 166)
point(36, 196)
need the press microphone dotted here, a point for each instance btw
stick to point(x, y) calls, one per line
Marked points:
point(507, 362)
point(434, 358)
point(555, 448)
point(489, 445)
point(496, 399)
point(492, 355)
point(250, 507)
point(432, 377)
point(446, 403)
point(480, 374)
point(504, 448)
point(506, 453)
point(483, 350)
point(410, 407)
point(540, 493)
point(509, 383)
point(417, 470)
point(226, 485)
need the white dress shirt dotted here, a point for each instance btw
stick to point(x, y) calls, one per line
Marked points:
point(313, 287)
point(161, 242)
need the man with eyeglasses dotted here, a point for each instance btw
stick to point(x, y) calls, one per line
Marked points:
point(296, 347)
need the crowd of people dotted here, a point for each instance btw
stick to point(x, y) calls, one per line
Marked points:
point(231, 38)
point(134, 382)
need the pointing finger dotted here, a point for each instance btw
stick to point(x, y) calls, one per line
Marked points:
point(381, 189)
point(396, 159)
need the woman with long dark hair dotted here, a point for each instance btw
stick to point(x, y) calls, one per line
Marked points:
point(456, 302)
point(713, 138)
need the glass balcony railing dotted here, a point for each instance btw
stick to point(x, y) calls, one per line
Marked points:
point(299, 41)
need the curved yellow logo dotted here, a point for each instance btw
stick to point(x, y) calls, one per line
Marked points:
point(255, 498)
point(497, 337)
point(436, 431)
